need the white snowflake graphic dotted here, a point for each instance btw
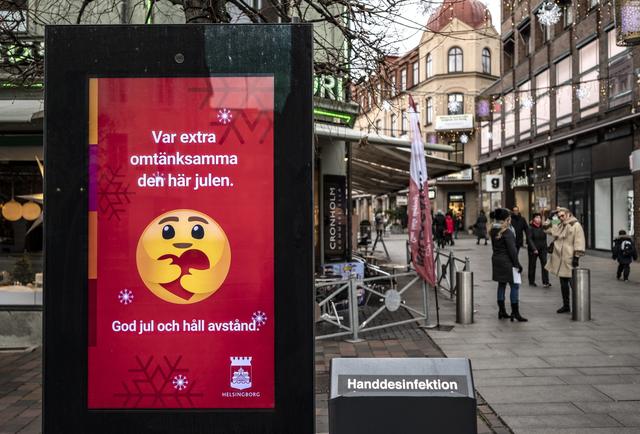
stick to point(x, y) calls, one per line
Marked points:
point(180, 382)
point(259, 317)
point(225, 116)
point(125, 296)
point(582, 93)
point(454, 106)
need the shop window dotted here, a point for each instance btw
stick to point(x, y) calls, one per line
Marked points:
point(429, 65)
point(429, 111)
point(455, 103)
point(403, 79)
point(455, 59)
point(416, 73)
point(564, 91)
point(508, 51)
point(525, 105)
point(588, 91)
point(486, 61)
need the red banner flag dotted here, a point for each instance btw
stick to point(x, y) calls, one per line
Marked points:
point(420, 235)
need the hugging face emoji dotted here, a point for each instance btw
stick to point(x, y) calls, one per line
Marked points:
point(183, 256)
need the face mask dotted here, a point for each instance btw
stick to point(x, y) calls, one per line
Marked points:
point(555, 220)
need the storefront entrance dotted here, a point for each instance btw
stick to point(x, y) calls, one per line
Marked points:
point(576, 197)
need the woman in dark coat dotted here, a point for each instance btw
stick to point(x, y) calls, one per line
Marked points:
point(503, 262)
point(480, 228)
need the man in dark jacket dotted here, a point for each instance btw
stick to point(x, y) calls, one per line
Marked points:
point(520, 226)
point(537, 249)
point(624, 251)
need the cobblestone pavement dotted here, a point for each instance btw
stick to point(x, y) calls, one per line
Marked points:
point(551, 374)
point(20, 391)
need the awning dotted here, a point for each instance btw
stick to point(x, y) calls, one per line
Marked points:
point(380, 169)
point(380, 164)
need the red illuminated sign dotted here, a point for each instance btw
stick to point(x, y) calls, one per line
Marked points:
point(181, 248)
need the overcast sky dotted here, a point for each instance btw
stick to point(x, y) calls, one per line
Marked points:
point(407, 29)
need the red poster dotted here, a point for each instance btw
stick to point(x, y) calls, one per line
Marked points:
point(181, 250)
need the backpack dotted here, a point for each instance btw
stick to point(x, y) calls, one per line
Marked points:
point(626, 249)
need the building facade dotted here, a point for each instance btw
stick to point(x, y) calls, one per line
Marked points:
point(563, 119)
point(458, 57)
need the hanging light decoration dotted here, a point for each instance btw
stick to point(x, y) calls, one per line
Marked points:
point(386, 106)
point(627, 21)
point(582, 92)
point(526, 102)
point(464, 139)
point(549, 13)
point(454, 106)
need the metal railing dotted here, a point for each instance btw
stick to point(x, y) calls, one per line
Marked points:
point(334, 303)
point(447, 265)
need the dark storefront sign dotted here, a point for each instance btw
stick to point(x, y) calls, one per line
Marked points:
point(335, 218)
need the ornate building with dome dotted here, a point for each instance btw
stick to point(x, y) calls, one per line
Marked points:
point(458, 56)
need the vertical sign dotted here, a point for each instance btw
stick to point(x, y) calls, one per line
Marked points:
point(181, 243)
point(335, 218)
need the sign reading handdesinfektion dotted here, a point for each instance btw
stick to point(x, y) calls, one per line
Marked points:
point(402, 383)
point(181, 249)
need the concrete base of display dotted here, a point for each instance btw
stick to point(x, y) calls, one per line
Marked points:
point(20, 329)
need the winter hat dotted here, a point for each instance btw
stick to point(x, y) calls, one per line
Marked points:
point(501, 214)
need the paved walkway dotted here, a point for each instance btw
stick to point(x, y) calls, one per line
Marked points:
point(551, 374)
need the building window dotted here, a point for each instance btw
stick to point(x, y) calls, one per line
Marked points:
point(486, 61)
point(525, 41)
point(429, 111)
point(379, 93)
point(394, 85)
point(416, 73)
point(567, 15)
point(509, 118)
point(13, 16)
point(588, 91)
point(429, 65)
point(543, 103)
point(593, 3)
point(564, 94)
point(525, 105)
point(378, 126)
point(457, 154)
point(455, 59)
point(403, 80)
point(508, 51)
point(455, 103)
point(394, 124)
point(403, 122)
point(484, 138)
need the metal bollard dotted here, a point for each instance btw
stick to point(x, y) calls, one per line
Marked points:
point(581, 295)
point(354, 317)
point(464, 301)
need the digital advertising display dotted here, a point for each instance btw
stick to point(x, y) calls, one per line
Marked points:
point(181, 243)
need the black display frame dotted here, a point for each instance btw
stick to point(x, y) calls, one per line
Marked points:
point(77, 53)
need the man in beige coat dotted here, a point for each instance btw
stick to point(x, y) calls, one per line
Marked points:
point(568, 247)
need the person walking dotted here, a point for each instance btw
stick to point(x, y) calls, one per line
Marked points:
point(537, 250)
point(439, 225)
point(568, 248)
point(505, 266)
point(521, 228)
point(624, 251)
point(449, 228)
point(480, 228)
point(458, 225)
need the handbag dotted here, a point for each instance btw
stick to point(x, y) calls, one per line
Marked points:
point(550, 248)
